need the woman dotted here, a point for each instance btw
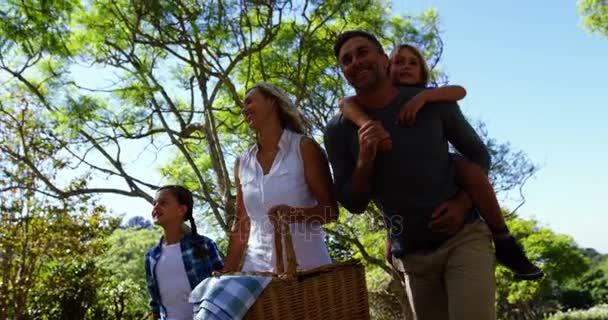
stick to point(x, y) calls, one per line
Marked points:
point(181, 259)
point(284, 173)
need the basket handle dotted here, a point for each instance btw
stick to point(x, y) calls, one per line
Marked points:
point(282, 233)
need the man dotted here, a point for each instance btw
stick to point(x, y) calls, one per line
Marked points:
point(437, 240)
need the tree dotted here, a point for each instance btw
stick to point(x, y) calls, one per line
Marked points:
point(595, 258)
point(180, 68)
point(591, 288)
point(574, 278)
point(138, 222)
point(124, 261)
point(36, 236)
point(46, 243)
point(595, 15)
point(178, 72)
point(588, 290)
point(603, 264)
point(68, 289)
point(561, 260)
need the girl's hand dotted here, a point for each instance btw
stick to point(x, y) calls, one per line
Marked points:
point(407, 114)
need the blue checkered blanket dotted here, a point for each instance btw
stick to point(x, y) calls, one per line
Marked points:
point(226, 297)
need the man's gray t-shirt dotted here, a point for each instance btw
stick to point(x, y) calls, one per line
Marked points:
point(416, 176)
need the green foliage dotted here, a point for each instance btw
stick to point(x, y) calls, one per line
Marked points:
point(67, 290)
point(339, 250)
point(595, 15)
point(47, 245)
point(589, 289)
point(121, 300)
point(603, 265)
point(182, 65)
point(599, 312)
point(137, 223)
point(47, 256)
point(77, 113)
point(124, 263)
point(125, 255)
point(37, 25)
point(558, 256)
point(177, 73)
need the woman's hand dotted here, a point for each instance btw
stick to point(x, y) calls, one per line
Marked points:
point(227, 269)
point(280, 211)
point(218, 273)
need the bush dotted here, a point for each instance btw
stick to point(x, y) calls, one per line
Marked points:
point(599, 312)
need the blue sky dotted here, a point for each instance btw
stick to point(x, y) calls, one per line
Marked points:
point(538, 80)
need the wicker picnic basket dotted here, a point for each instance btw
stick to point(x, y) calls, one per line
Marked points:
point(334, 291)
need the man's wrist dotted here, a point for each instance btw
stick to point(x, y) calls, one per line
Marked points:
point(361, 175)
point(363, 164)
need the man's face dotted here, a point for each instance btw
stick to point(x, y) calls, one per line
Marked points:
point(364, 67)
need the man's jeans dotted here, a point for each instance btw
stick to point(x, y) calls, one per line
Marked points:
point(456, 281)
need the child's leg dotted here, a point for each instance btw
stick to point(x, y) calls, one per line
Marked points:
point(474, 181)
point(508, 252)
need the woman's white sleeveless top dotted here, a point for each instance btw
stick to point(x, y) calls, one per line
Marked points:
point(286, 184)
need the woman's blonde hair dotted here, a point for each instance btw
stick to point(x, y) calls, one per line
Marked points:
point(426, 73)
point(291, 118)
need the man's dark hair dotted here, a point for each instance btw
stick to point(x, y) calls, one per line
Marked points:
point(345, 36)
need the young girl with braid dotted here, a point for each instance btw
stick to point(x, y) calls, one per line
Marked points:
point(408, 68)
point(181, 259)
